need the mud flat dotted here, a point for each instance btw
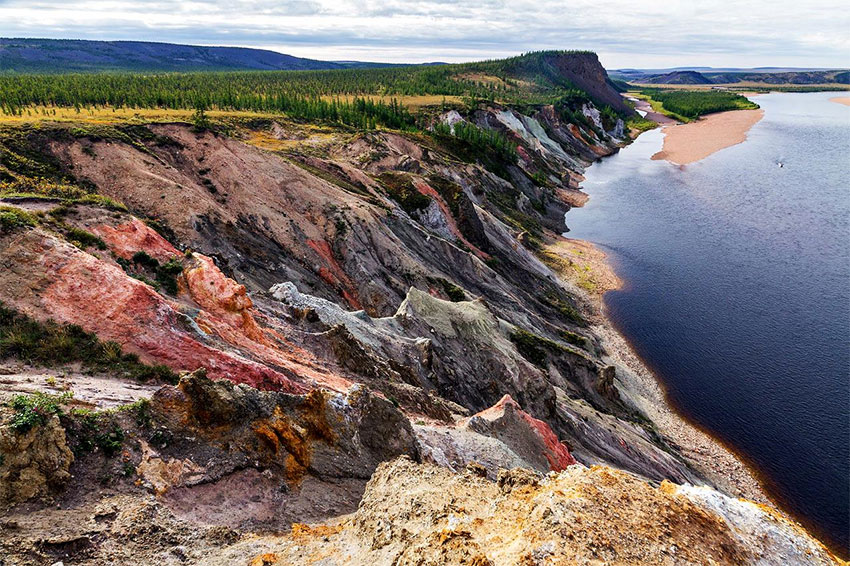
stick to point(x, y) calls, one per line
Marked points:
point(845, 100)
point(651, 114)
point(586, 266)
point(691, 142)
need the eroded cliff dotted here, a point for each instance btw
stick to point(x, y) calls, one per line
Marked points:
point(333, 300)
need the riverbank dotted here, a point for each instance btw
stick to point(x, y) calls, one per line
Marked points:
point(587, 268)
point(650, 114)
point(694, 141)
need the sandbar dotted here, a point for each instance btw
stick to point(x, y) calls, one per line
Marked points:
point(691, 142)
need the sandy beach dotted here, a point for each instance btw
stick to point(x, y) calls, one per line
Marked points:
point(845, 100)
point(691, 142)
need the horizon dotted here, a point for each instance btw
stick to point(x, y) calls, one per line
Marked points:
point(418, 31)
point(680, 66)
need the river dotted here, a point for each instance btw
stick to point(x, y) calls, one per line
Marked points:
point(737, 292)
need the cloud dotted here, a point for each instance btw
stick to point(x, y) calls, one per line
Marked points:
point(678, 32)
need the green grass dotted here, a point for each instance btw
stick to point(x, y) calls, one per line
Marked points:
point(12, 218)
point(535, 348)
point(640, 124)
point(567, 311)
point(51, 344)
point(574, 339)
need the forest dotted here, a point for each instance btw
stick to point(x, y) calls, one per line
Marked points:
point(343, 96)
point(696, 103)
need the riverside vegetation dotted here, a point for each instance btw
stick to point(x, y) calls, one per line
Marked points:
point(685, 105)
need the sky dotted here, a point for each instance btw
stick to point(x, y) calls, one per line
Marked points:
point(639, 34)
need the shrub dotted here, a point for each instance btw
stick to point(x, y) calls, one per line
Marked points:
point(52, 344)
point(34, 410)
point(12, 218)
point(452, 291)
point(142, 258)
point(401, 189)
point(97, 431)
point(166, 274)
point(84, 239)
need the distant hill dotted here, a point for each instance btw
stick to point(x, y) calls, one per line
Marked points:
point(776, 78)
point(71, 55)
point(679, 78)
point(709, 75)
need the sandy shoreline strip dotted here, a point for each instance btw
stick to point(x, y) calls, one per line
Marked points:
point(691, 142)
point(587, 267)
point(845, 100)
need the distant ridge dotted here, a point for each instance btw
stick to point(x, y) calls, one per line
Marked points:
point(680, 78)
point(75, 56)
point(709, 75)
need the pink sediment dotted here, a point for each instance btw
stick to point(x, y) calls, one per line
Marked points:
point(333, 274)
point(126, 239)
point(556, 453)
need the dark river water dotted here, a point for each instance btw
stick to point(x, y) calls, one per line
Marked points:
point(738, 292)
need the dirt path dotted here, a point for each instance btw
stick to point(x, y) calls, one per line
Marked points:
point(92, 391)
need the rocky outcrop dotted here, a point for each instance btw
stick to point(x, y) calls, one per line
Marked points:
point(33, 463)
point(421, 514)
point(324, 434)
point(584, 71)
point(503, 436)
point(49, 278)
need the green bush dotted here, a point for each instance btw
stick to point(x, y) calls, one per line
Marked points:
point(95, 430)
point(84, 238)
point(142, 258)
point(452, 291)
point(35, 410)
point(166, 274)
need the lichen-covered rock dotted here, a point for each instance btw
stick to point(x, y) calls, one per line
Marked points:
point(421, 514)
point(33, 463)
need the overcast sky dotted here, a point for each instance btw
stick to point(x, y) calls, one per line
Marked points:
point(625, 34)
